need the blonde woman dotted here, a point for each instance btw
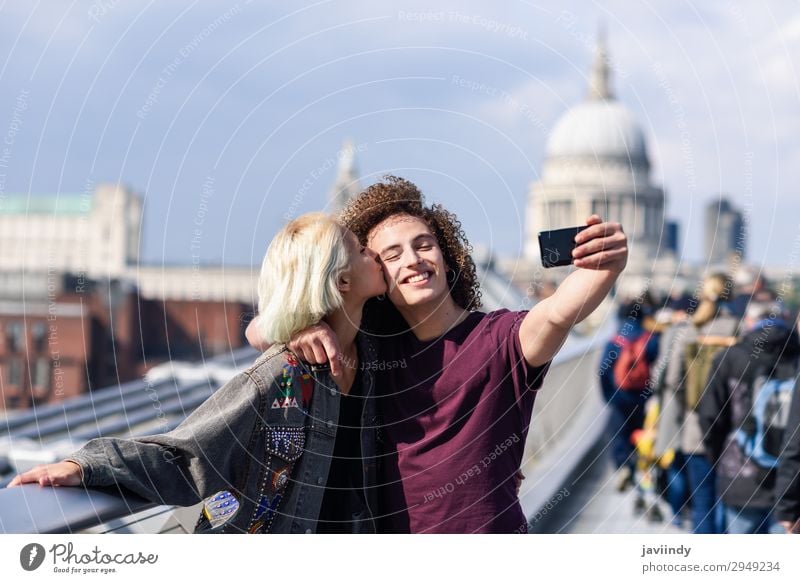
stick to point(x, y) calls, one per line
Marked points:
point(279, 448)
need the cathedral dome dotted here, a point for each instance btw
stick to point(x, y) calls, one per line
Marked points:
point(598, 129)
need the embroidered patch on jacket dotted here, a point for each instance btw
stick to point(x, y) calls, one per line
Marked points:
point(287, 398)
point(286, 381)
point(285, 403)
point(220, 508)
point(264, 513)
point(306, 389)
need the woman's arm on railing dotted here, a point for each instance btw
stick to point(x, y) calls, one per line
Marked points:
point(200, 457)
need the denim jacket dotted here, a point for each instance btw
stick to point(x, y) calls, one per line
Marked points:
point(257, 452)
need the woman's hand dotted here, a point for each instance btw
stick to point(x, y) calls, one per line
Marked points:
point(318, 344)
point(601, 246)
point(58, 474)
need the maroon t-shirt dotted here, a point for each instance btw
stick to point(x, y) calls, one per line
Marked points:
point(456, 413)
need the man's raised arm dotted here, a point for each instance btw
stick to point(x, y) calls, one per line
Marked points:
point(600, 257)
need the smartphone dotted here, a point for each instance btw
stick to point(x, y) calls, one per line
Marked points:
point(556, 246)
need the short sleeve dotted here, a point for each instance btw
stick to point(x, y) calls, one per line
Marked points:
point(525, 378)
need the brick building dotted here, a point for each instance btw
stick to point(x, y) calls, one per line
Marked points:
point(78, 310)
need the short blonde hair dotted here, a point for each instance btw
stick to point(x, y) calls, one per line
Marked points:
point(299, 277)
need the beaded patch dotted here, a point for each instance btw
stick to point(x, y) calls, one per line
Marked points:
point(286, 442)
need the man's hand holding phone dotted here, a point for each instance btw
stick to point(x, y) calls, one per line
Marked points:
point(597, 245)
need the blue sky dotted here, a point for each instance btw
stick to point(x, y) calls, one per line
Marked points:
point(255, 100)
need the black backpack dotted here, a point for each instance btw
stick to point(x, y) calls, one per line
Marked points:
point(761, 434)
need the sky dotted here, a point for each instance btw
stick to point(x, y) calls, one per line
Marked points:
point(228, 117)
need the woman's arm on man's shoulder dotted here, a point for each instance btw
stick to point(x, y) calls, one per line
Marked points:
point(317, 344)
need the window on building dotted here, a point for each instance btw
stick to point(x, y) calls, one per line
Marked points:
point(41, 378)
point(15, 372)
point(14, 338)
point(39, 336)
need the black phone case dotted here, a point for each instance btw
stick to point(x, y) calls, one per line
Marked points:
point(556, 246)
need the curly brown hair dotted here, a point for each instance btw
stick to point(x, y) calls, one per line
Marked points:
point(398, 196)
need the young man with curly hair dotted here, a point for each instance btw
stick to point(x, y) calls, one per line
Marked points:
point(457, 385)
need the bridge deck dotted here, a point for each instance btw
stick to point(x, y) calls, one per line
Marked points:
point(596, 507)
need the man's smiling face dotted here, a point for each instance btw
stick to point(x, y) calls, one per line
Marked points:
point(412, 260)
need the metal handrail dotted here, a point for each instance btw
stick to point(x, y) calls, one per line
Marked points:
point(33, 509)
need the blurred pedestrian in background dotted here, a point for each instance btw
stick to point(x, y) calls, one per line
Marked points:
point(686, 365)
point(744, 413)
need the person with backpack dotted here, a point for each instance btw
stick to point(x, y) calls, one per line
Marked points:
point(624, 380)
point(744, 413)
point(686, 367)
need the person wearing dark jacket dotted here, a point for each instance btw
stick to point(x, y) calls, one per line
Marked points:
point(746, 488)
point(787, 481)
